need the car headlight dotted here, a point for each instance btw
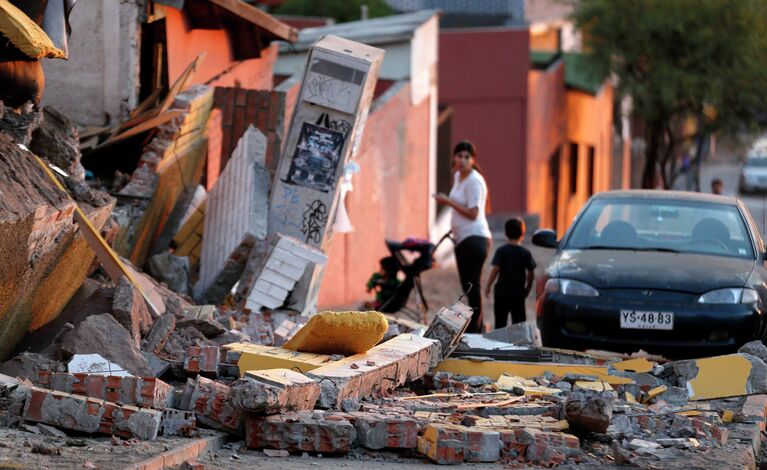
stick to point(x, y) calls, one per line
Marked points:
point(570, 287)
point(730, 295)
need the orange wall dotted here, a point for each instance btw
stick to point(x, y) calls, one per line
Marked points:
point(589, 123)
point(545, 40)
point(547, 126)
point(390, 197)
point(217, 67)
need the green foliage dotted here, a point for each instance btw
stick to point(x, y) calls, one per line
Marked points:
point(705, 59)
point(341, 10)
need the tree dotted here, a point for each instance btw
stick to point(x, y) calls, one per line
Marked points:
point(678, 60)
point(341, 10)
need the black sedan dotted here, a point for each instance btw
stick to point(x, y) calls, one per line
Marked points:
point(673, 273)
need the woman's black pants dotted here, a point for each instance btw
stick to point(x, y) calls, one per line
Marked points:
point(470, 256)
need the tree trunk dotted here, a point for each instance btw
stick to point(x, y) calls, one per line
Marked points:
point(653, 137)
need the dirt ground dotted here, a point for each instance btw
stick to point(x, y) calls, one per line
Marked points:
point(22, 449)
point(233, 457)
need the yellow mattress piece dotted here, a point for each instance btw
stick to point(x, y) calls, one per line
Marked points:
point(340, 333)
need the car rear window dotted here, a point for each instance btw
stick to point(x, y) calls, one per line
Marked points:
point(652, 224)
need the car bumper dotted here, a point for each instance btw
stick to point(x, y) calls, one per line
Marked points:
point(594, 323)
point(747, 184)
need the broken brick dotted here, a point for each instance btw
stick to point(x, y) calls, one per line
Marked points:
point(308, 431)
point(90, 415)
point(380, 370)
point(210, 400)
point(274, 391)
point(202, 360)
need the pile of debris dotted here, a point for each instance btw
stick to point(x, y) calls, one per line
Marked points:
point(337, 385)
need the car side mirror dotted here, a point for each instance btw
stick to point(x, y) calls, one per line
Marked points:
point(546, 238)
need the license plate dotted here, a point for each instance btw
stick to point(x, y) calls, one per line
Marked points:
point(646, 320)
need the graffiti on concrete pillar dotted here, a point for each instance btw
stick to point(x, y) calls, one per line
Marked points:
point(341, 125)
point(315, 160)
point(314, 219)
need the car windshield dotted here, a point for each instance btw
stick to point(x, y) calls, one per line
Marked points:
point(757, 161)
point(662, 225)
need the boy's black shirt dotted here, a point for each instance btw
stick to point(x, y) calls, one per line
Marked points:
point(513, 262)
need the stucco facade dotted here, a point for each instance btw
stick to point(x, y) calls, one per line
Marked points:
point(483, 77)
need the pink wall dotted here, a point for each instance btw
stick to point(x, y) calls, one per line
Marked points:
point(217, 67)
point(483, 76)
point(390, 197)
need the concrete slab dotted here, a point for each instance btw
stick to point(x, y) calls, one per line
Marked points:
point(258, 357)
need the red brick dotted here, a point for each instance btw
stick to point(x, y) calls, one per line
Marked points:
point(90, 415)
point(210, 400)
point(308, 431)
point(379, 430)
point(202, 360)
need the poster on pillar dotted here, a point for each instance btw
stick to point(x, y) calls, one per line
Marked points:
point(315, 161)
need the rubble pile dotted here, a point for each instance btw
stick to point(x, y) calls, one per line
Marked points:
point(390, 397)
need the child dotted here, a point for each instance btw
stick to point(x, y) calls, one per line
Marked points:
point(384, 282)
point(513, 265)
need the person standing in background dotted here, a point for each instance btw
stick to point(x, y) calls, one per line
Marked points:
point(514, 267)
point(468, 200)
point(717, 186)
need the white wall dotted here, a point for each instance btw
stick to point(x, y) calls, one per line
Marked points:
point(98, 85)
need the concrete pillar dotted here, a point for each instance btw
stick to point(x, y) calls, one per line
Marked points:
point(329, 116)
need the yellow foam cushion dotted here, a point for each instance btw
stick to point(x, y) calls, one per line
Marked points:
point(340, 333)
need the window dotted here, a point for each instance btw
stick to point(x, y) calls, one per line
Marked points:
point(590, 176)
point(573, 168)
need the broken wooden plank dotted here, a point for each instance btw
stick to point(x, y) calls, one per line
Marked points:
point(25, 34)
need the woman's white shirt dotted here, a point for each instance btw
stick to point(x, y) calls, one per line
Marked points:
point(470, 193)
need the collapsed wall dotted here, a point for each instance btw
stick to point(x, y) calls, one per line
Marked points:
point(43, 257)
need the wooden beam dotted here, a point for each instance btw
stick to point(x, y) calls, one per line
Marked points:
point(259, 18)
point(104, 253)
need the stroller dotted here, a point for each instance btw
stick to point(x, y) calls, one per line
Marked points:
point(423, 250)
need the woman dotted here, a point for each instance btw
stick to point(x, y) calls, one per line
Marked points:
point(468, 201)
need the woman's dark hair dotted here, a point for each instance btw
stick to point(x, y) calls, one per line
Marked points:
point(467, 146)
